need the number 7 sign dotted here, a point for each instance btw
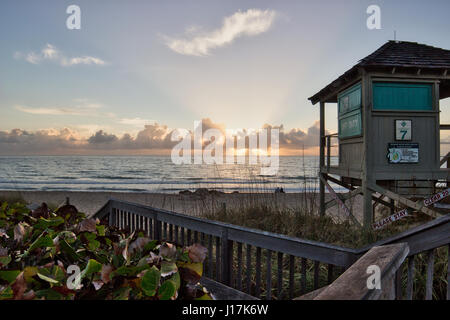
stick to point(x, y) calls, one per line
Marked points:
point(403, 130)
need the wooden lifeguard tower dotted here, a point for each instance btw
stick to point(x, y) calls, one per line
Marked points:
point(388, 129)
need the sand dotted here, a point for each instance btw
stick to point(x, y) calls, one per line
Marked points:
point(191, 204)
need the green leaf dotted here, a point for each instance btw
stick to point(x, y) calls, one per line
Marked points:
point(29, 273)
point(168, 268)
point(92, 267)
point(66, 248)
point(93, 245)
point(43, 223)
point(41, 241)
point(48, 279)
point(49, 294)
point(101, 230)
point(7, 293)
point(58, 273)
point(196, 267)
point(177, 280)
point(167, 290)
point(9, 275)
point(150, 281)
point(89, 236)
point(122, 293)
point(4, 261)
point(150, 246)
point(68, 236)
point(204, 297)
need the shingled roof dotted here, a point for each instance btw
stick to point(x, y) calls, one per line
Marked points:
point(394, 54)
point(408, 54)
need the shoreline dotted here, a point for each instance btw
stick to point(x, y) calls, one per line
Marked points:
point(191, 204)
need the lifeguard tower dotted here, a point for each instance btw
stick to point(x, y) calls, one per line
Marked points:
point(388, 129)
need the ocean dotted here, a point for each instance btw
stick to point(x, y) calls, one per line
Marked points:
point(151, 174)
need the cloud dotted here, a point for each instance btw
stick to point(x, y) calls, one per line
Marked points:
point(81, 108)
point(82, 60)
point(51, 53)
point(138, 122)
point(102, 137)
point(297, 138)
point(153, 138)
point(197, 43)
point(47, 141)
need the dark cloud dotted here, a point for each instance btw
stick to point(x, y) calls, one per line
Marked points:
point(102, 137)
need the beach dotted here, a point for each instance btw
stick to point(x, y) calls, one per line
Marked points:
point(191, 204)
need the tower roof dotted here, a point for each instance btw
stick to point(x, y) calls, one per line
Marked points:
point(402, 54)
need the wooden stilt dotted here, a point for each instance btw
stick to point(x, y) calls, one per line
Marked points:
point(322, 158)
point(419, 206)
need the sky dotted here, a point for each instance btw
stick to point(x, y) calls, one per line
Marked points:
point(136, 70)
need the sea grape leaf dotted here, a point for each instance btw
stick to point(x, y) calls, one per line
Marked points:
point(40, 242)
point(66, 248)
point(168, 268)
point(122, 293)
point(106, 273)
point(3, 233)
point(89, 236)
point(177, 280)
point(9, 275)
point(101, 230)
point(189, 275)
point(196, 267)
point(167, 290)
point(58, 273)
point(69, 236)
point(138, 245)
point(44, 223)
point(4, 261)
point(167, 251)
point(29, 273)
point(49, 294)
point(93, 245)
point(204, 297)
point(89, 225)
point(123, 271)
point(48, 279)
point(150, 281)
point(19, 232)
point(19, 286)
point(150, 245)
point(30, 295)
point(197, 252)
point(6, 293)
point(92, 267)
point(153, 258)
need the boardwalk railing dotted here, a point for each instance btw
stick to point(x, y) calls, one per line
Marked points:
point(263, 264)
point(425, 242)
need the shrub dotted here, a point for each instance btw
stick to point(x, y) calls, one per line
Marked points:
point(41, 252)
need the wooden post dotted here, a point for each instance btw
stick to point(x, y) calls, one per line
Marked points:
point(322, 157)
point(367, 168)
point(328, 152)
point(112, 216)
point(157, 228)
point(227, 258)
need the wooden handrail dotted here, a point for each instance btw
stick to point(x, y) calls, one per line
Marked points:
point(352, 284)
point(160, 224)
